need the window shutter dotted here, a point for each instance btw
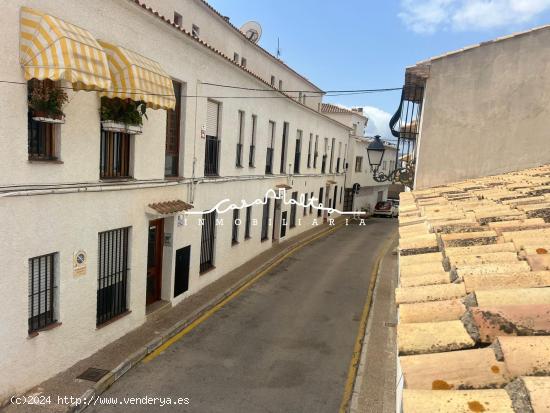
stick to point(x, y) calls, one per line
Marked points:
point(212, 118)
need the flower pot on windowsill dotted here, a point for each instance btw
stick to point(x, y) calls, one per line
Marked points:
point(46, 117)
point(112, 126)
point(133, 129)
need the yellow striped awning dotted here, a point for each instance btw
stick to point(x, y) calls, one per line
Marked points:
point(138, 78)
point(51, 48)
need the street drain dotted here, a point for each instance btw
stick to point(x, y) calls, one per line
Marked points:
point(93, 374)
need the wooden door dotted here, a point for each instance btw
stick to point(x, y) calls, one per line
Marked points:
point(154, 260)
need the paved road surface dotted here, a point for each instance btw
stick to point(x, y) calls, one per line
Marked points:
point(284, 345)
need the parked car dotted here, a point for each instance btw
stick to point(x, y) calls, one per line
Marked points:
point(385, 208)
point(395, 203)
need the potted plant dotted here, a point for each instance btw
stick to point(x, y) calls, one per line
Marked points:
point(46, 100)
point(122, 115)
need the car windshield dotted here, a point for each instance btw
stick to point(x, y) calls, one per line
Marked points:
point(383, 205)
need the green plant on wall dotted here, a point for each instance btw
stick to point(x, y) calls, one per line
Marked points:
point(47, 98)
point(125, 111)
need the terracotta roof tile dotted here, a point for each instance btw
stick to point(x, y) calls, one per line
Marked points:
point(418, 338)
point(472, 369)
point(170, 207)
point(432, 311)
point(330, 108)
point(494, 235)
point(450, 401)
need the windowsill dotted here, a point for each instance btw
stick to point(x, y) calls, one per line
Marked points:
point(117, 179)
point(239, 166)
point(174, 178)
point(211, 268)
point(251, 166)
point(45, 160)
point(112, 320)
point(46, 328)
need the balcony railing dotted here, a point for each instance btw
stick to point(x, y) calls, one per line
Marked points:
point(251, 155)
point(211, 156)
point(239, 160)
point(269, 161)
point(324, 164)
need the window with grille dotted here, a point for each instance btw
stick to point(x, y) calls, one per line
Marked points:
point(207, 241)
point(298, 152)
point(358, 163)
point(248, 222)
point(265, 218)
point(212, 144)
point(41, 139)
point(235, 227)
point(305, 203)
point(321, 193)
point(112, 281)
point(115, 155)
point(41, 292)
point(252, 152)
point(311, 205)
point(173, 119)
point(293, 207)
point(239, 152)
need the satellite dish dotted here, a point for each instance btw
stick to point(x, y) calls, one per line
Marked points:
point(252, 30)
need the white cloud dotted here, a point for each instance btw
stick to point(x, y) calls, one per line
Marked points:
point(378, 122)
point(429, 16)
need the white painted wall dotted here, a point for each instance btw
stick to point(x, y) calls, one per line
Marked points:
point(216, 31)
point(61, 208)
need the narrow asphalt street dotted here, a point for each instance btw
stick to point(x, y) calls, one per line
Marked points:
point(283, 345)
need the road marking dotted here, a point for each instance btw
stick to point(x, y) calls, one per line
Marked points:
point(210, 312)
point(354, 364)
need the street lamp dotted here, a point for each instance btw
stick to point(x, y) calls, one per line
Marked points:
point(375, 152)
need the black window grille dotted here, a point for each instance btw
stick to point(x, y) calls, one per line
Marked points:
point(311, 204)
point(211, 156)
point(115, 155)
point(305, 203)
point(235, 227)
point(324, 164)
point(207, 241)
point(334, 197)
point(293, 207)
point(248, 222)
point(337, 165)
point(112, 283)
point(41, 292)
point(321, 193)
point(41, 139)
point(265, 218)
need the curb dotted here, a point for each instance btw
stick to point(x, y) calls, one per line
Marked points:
point(88, 397)
point(354, 401)
point(349, 401)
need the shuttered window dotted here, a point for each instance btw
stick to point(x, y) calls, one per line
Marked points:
point(173, 118)
point(41, 291)
point(212, 118)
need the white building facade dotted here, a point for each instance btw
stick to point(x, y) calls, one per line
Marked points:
point(100, 225)
point(358, 168)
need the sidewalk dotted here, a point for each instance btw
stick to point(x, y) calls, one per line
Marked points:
point(121, 355)
point(374, 390)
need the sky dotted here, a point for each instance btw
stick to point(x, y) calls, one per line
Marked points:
point(367, 44)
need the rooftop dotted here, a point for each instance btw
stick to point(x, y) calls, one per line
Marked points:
point(331, 108)
point(474, 295)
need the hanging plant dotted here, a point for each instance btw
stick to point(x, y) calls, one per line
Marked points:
point(46, 100)
point(122, 115)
